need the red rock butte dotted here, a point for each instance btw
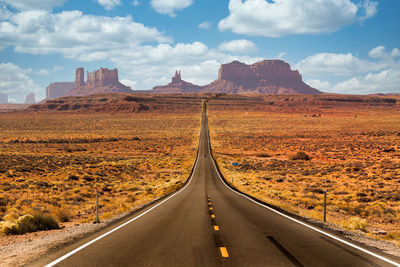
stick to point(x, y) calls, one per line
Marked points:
point(177, 85)
point(99, 81)
point(265, 77)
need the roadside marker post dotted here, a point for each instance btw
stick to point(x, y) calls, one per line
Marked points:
point(234, 164)
point(325, 205)
point(97, 206)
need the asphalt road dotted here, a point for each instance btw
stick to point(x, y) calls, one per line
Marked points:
point(207, 224)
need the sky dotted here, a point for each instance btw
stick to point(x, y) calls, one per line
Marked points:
point(339, 46)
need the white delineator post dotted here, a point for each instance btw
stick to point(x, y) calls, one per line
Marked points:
point(97, 206)
point(325, 205)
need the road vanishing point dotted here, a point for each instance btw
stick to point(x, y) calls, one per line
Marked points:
point(207, 223)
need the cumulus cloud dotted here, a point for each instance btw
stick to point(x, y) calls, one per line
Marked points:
point(287, 17)
point(57, 68)
point(15, 82)
point(333, 64)
point(169, 7)
point(379, 74)
point(387, 81)
point(33, 4)
point(370, 8)
point(238, 46)
point(43, 72)
point(281, 55)
point(320, 85)
point(206, 25)
point(142, 54)
point(127, 82)
point(381, 53)
point(336, 65)
point(109, 4)
point(46, 72)
point(73, 34)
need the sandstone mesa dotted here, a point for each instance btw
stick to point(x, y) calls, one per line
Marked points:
point(264, 77)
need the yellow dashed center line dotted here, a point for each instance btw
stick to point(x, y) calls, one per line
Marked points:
point(209, 203)
point(216, 228)
point(224, 252)
point(210, 208)
point(212, 216)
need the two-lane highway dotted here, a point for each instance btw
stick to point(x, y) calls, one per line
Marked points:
point(208, 224)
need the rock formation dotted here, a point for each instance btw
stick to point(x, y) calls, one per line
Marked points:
point(99, 81)
point(55, 90)
point(79, 77)
point(3, 98)
point(177, 85)
point(265, 77)
point(30, 98)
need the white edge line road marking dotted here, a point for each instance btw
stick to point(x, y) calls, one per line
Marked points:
point(300, 222)
point(131, 220)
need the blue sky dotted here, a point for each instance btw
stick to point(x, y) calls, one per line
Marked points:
point(339, 46)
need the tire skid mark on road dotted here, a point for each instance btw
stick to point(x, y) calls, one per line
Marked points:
point(285, 251)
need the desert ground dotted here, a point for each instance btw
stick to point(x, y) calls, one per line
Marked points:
point(53, 162)
point(290, 149)
point(136, 148)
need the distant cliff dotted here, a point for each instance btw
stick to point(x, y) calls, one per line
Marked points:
point(265, 77)
point(55, 90)
point(177, 85)
point(99, 81)
point(3, 98)
point(30, 98)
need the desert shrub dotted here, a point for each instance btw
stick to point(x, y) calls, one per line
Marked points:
point(63, 214)
point(300, 155)
point(357, 223)
point(29, 223)
point(264, 155)
point(12, 217)
point(73, 178)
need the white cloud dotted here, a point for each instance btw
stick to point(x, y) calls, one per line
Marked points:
point(286, 17)
point(15, 83)
point(127, 82)
point(281, 55)
point(46, 72)
point(74, 34)
point(136, 3)
point(206, 25)
point(320, 85)
point(33, 4)
point(168, 7)
point(109, 4)
point(57, 68)
point(142, 54)
point(387, 81)
point(380, 74)
point(336, 65)
point(381, 53)
point(370, 9)
point(43, 72)
point(238, 46)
